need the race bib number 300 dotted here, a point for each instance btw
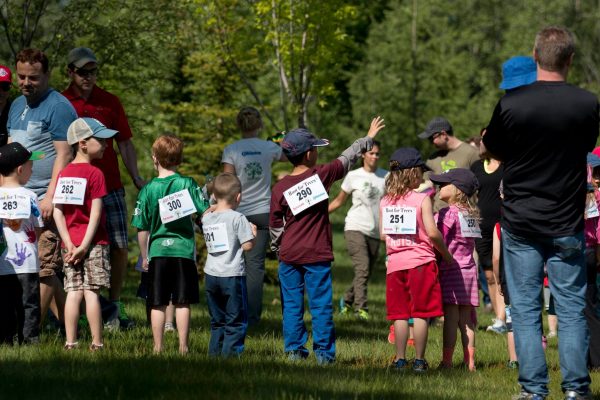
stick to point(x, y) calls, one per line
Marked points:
point(215, 237)
point(15, 206)
point(399, 220)
point(70, 191)
point(175, 206)
point(305, 194)
point(469, 227)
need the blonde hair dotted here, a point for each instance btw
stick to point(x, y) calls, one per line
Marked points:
point(399, 182)
point(248, 119)
point(589, 199)
point(465, 203)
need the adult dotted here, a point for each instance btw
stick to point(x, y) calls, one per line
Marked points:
point(39, 120)
point(250, 160)
point(451, 152)
point(542, 132)
point(366, 185)
point(5, 85)
point(90, 100)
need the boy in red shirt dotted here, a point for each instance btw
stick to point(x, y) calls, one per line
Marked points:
point(81, 222)
point(301, 235)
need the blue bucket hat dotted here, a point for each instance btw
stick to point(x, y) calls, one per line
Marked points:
point(300, 140)
point(593, 160)
point(518, 71)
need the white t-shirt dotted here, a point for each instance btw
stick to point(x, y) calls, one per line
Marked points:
point(252, 159)
point(366, 189)
point(19, 251)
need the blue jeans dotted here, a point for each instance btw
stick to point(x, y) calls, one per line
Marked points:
point(524, 260)
point(228, 308)
point(316, 279)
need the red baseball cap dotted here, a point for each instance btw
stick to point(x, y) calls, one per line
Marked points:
point(596, 151)
point(5, 74)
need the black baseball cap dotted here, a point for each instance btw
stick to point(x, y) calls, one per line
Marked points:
point(300, 140)
point(407, 157)
point(435, 125)
point(462, 178)
point(14, 154)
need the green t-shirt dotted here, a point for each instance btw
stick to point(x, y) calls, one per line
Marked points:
point(175, 238)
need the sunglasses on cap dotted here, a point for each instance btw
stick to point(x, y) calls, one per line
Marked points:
point(84, 72)
point(5, 86)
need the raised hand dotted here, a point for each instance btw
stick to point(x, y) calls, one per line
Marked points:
point(376, 126)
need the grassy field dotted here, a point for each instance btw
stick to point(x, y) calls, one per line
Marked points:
point(128, 369)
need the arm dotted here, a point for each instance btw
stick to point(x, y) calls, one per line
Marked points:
point(248, 245)
point(229, 168)
point(61, 226)
point(496, 248)
point(95, 214)
point(63, 157)
point(129, 157)
point(338, 201)
point(353, 153)
point(143, 237)
point(433, 232)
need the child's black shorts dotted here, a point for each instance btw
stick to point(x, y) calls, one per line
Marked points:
point(172, 279)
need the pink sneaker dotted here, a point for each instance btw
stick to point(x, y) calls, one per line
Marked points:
point(544, 342)
point(392, 335)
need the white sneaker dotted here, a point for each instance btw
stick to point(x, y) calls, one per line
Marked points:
point(498, 327)
point(169, 327)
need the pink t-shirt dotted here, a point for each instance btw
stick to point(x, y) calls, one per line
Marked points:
point(408, 251)
point(78, 217)
point(460, 247)
point(592, 228)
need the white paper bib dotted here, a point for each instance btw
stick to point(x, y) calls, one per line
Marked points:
point(399, 220)
point(591, 210)
point(15, 206)
point(469, 227)
point(305, 194)
point(175, 206)
point(70, 191)
point(215, 237)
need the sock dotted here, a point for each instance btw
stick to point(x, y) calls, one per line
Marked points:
point(447, 356)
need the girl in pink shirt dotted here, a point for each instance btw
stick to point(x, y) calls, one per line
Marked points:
point(460, 293)
point(407, 226)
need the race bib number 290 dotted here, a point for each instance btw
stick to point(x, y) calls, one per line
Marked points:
point(70, 191)
point(175, 206)
point(305, 194)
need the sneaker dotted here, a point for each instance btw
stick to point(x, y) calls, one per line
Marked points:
point(71, 346)
point(420, 366)
point(112, 323)
point(528, 396)
point(512, 364)
point(498, 327)
point(551, 334)
point(323, 359)
point(363, 315)
point(96, 347)
point(124, 322)
point(344, 309)
point(399, 364)
point(296, 355)
point(392, 335)
point(169, 327)
point(573, 395)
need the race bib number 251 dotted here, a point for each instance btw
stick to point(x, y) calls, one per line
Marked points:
point(399, 220)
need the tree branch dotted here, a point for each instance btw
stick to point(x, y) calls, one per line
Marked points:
point(5, 19)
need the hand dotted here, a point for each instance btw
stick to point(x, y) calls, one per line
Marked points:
point(139, 182)
point(376, 126)
point(78, 254)
point(254, 229)
point(145, 264)
point(68, 253)
point(47, 207)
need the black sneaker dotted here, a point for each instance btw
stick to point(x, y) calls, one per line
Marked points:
point(399, 364)
point(420, 366)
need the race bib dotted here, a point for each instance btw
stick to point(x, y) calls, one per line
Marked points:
point(305, 194)
point(175, 206)
point(469, 227)
point(70, 191)
point(591, 210)
point(399, 220)
point(15, 206)
point(215, 237)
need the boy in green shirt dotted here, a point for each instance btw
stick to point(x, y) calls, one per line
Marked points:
point(163, 217)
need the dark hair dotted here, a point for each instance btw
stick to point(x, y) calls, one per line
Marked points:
point(168, 151)
point(32, 56)
point(226, 187)
point(248, 119)
point(7, 170)
point(554, 47)
point(297, 160)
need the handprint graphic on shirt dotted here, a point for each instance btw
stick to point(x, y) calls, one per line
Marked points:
point(21, 255)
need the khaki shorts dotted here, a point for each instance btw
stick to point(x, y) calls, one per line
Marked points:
point(49, 251)
point(92, 274)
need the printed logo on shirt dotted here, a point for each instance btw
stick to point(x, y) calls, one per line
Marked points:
point(253, 170)
point(251, 153)
point(370, 191)
point(167, 242)
point(137, 212)
point(448, 165)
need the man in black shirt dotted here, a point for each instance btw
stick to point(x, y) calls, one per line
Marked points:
point(5, 85)
point(542, 132)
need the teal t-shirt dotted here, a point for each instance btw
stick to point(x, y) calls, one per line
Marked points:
point(175, 238)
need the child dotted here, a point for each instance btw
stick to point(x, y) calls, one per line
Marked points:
point(459, 279)
point(163, 217)
point(301, 235)
point(407, 226)
point(19, 264)
point(227, 234)
point(81, 223)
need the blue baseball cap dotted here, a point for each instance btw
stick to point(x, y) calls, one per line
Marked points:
point(518, 71)
point(593, 160)
point(407, 157)
point(299, 141)
point(462, 178)
point(83, 128)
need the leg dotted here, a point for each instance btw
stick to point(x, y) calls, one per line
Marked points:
point(236, 322)
point(72, 304)
point(9, 300)
point(255, 267)
point(358, 250)
point(524, 269)
point(319, 290)
point(157, 318)
point(401, 331)
point(50, 261)
point(552, 317)
point(216, 308)
point(30, 300)
point(94, 315)
point(567, 276)
point(421, 329)
point(291, 279)
point(183, 314)
point(467, 332)
point(451, 321)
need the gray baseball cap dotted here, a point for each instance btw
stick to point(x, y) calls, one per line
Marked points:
point(435, 125)
point(80, 56)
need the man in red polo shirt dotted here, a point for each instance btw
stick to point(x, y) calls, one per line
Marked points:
point(91, 101)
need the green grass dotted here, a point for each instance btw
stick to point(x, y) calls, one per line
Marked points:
point(127, 368)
